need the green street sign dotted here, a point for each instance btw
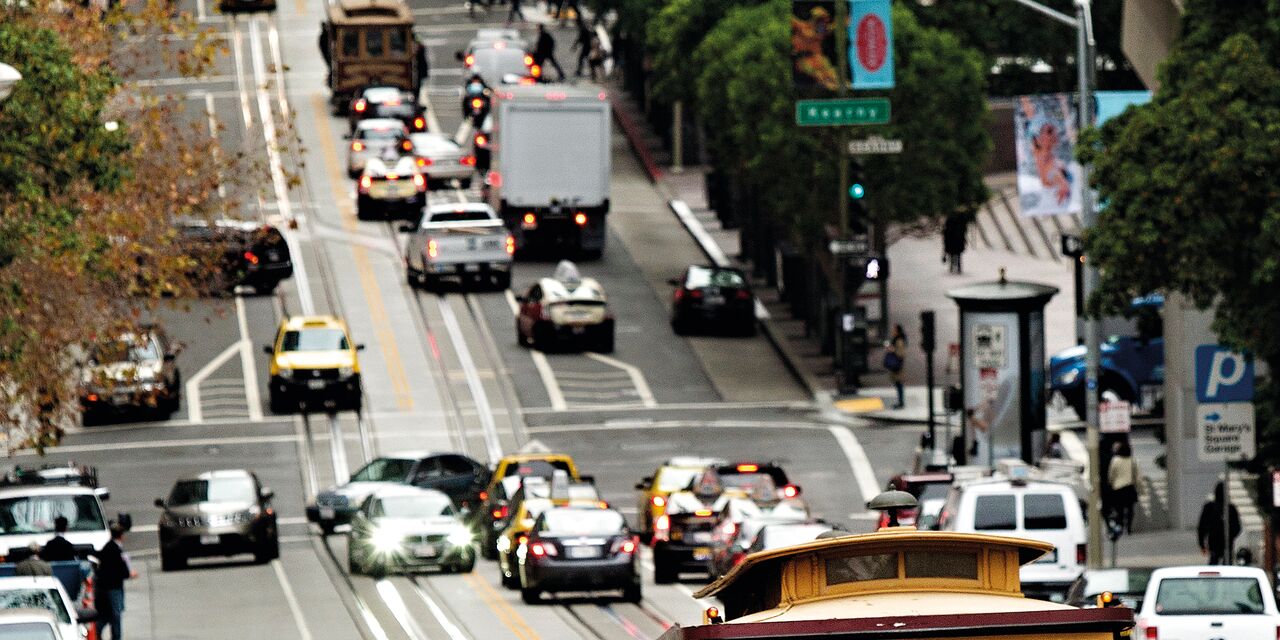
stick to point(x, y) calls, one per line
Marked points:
point(842, 111)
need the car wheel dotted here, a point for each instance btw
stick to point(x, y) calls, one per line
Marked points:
point(502, 280)
point(326, 528)
point(530, 596)
point(172, 561)
point(748, 329)
point(488, 547)
point(353, 565)
point(267, 550)
point(412, 278)
point(512, 580)
point(679, 326)
point(464, 183)
point(632, 593)
point(664, 570)
point(278, 404)
point(604, 343)
point(520, 338)
point(466, 567)
point(592, 254)
point(362, 210)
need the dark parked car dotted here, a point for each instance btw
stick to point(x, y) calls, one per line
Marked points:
point(233, 253)
point(713, 300)
point(388, 102)
point(579, 549)
point(453, 474)
point(217, 513)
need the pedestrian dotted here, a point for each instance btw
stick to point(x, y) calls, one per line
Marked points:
point(113, 570)
point(1211, 529)
point(596, 59)
point(1122, 475)
point(544, 51)
point(583, 44)
point(954, 242)
point(58, 549)
point(515, 12)
point(424, 63)
point(895, 352)
point(33, 565)
point(324, 45)
point(1053, 449)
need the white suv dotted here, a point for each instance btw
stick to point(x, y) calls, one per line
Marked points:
point(1224, 603)
point(1038, 510)
point(27, 514)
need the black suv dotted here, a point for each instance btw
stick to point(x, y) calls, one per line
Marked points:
point(233, 253)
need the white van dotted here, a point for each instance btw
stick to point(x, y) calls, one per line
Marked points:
point(1034, 509)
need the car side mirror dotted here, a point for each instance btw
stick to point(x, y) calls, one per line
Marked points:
point(103, 493)
point(267, 493)
point(159, 502)
point(675, 282)
point(170, 356)
point(645, 484)
point(360, 347)
point(268, 349)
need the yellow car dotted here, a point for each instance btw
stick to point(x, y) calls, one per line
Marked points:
point(515, 535)
point(314, 366)
point(495, 514)
point(674, 475)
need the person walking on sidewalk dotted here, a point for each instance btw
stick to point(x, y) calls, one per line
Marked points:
point(113, 570)
point(583, 45)
point(1122, 475)
point(596, 59)
point(515, 13)
point(895, 352)
point(953, 240)
point(1210, 532)
point(544, 51)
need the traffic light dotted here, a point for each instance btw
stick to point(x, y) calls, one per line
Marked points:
point(857, 197)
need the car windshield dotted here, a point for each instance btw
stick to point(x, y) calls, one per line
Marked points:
point(393, 109)
point(27, 631)
point(1202, 596)
point(932, 491)
point(423, 506)
point(700, 277)
point(778, 537)
point(582, 522)
point(314, 340)
point(754, 484)
point(216, 490)
point(381, 133)
point(673, 479)
point(460, 216)
point(384, 470)
point(539, 468)
point(35, 514)
point(35, 598)
point(128, 350)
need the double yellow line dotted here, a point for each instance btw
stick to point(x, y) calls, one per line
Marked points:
point(368, 283)
point(506, 613)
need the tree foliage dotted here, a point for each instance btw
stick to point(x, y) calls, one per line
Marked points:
point(1189, 182)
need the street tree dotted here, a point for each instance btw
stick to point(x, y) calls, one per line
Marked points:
point(1192, 204)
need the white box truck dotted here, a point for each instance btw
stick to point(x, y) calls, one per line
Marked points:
point(550, 168)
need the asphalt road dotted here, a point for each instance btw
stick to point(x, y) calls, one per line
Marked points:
point(441, 372)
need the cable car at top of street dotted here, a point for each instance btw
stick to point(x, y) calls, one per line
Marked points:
point(894, 583)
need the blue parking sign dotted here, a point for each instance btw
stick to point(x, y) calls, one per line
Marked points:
point(1223, 375)
point(871, 44)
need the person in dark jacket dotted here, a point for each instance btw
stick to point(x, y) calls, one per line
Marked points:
point(583, 44)
point(33, 565)
point(953, 240)
point(1211, 529)
point(544, 51)
point(59, 549)
point(113, 569)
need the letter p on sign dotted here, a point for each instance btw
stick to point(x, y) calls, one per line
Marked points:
point(1222, 375)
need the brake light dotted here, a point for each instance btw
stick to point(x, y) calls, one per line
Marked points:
point(484, 495)
point(495, 179)
point(743, 294)
point(476, 103)
point(469, 60)
point(500, 512)
point(624, 546)
point(1082, 553)
point(679, 294)
point(748, 468)
point(481, 140)
point(467, 161)
point(420, 182)
point(248, 255)
point(406, 145)
point(659, 501)
point(361, 105)
point(580, 219)
point(790, 491)
point(392, 176)
point(365, 183)
point(433, 250)
point(357, 146)
point(1154, 634)
point(661, 527)
point(419, 123)
point(522, 539)
point(535, 71)
point(540, 549)
point(425, 162)
point(528, 60)
point(529, 221)
point(695, 293)
point(702, 513)
point(511, 245)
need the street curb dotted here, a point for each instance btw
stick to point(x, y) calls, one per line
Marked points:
point(638, 146)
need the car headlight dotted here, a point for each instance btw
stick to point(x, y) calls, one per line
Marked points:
point(346, 372)
point(287, 374)
point(1069, 377)
point(460, 537)
point(385, 541)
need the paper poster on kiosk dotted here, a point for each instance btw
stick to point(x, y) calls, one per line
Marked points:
point(992, 403)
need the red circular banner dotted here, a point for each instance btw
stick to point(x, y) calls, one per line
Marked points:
point(873, 43)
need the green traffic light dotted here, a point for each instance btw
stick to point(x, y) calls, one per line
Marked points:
point(856, 191)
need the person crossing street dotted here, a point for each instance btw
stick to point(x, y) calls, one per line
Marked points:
point(544, 51)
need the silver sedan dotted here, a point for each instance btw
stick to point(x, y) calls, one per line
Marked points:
point(442, 160)
point(374, 137)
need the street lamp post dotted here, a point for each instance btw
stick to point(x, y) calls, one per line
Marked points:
point(8, 78)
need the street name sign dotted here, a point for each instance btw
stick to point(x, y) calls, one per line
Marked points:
point(1224, 431)
point(854, 246)
point(875, 145)
point(836, 112)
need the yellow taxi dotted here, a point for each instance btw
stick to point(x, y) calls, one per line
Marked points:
point(674, 475)
point(495, 513)
point(314, 366)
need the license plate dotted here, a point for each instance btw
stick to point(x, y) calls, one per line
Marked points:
point(492, 244)
point(702, 553)
point(315, 384)
point(425, 551)
point(700, 536)
point(207, 540)
point(273, 255)
point(714, 299)
point(392, 190)
point(579, 330)
point(582, 552)
point(327, 513)
point(471, 267)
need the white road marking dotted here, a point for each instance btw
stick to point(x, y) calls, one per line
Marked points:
point(540, 363)
point(863, 474)
point(195, 414)
point(249, 370)
point(395, 604)
point(158, 444)
point(294, 607)
point(637, 377)
point(684, 406)
point(276, 166)
point(632, 425)
point(237, 51)
point(337, 448)
point(449, 627)
point(481, 397)
point(201, 14)
point(213, 134)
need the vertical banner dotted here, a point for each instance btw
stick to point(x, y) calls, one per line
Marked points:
point(814, 71)
point(1045, 141)
point(871, 44)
